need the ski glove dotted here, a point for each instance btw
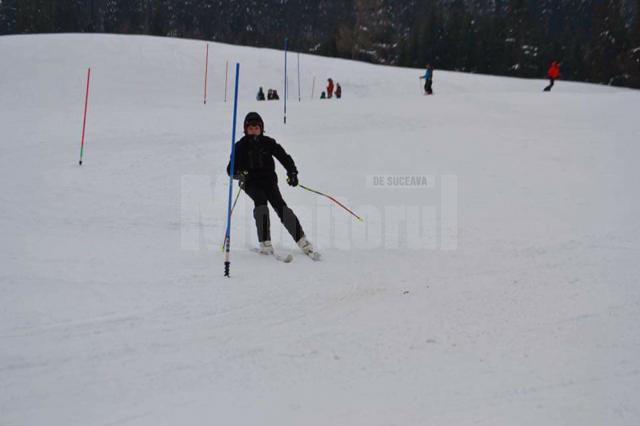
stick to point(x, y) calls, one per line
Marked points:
point(242, 178)
point(292, 179)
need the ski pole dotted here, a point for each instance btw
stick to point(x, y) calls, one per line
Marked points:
point(232, 209)
point(332, 199)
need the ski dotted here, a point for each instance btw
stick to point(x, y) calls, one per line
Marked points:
point(314, 255)
point(281, 258)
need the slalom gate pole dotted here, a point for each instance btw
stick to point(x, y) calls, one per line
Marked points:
point(313, 87)
point(226, 82)
point(286, 81)
point(227, 249)
point(84, 120)
point(332, 199)
point(206, 72)
point(299, 97)
point(232, 209)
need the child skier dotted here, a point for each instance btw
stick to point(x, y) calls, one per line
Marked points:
point(338, 91)
point(428, 80)
point(255, 169)
point(552, 74)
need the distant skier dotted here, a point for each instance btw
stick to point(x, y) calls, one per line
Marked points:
point(255, 170)
point(338, 91)
point(260, 95)
point(552, 74)
point(428, 80)
point(270, 95)
point(330, 88)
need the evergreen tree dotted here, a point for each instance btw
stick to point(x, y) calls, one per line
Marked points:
point(34, 16)
point(636, 25)
point(8, 15)
point(633, 56)
point(606, 56)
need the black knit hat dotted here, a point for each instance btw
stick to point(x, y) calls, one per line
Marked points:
point(253, 118)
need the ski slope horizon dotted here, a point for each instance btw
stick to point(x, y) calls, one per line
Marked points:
point(503, 291)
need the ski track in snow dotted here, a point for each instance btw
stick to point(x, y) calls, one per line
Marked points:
point(107, 319)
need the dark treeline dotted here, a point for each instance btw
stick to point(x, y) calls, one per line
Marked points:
point(596, 40)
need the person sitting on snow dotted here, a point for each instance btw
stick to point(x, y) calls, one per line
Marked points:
point(276, 97)
point(256, 171)
point(323, 95)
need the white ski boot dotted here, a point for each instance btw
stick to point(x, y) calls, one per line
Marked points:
point(307, 248)
point(266, 248)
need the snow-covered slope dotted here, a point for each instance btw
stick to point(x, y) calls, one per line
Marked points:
point(517, 305)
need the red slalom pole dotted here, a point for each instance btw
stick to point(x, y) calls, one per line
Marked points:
point(84, 120)
point(206, 72)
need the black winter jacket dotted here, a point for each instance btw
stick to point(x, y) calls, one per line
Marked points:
point(254, 155)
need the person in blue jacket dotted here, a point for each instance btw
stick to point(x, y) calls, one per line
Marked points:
point(428, 80)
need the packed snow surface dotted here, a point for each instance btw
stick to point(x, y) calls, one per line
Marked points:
point(494, 280)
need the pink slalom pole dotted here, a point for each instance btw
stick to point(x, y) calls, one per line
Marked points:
point(206, 73)
point(84, 120)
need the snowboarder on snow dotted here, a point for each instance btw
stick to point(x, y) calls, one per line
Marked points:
point(330, 88)
point(428, 80)
point(338, 91)
point(552, 74)
point(254, 168)
point(260, 95)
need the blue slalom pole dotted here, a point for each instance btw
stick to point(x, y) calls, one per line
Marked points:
point(227, 239)
point(286, 82)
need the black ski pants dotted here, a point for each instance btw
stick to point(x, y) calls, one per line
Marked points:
point(263, 192)
point(428, 87)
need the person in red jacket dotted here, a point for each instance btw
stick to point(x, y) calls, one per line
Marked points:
point(330, 88)
point(552, 74)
